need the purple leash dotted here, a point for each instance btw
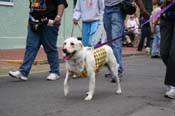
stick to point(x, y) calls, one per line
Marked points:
point(157, 15)
point(109, 41)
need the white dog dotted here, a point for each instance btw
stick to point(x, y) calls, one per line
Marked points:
point(86, 61)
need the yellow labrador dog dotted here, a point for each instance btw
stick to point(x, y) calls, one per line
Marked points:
point(86, 61)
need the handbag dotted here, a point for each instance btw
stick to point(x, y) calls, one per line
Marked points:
point(128, 7)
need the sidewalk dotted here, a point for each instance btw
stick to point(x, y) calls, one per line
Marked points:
point(11, 59)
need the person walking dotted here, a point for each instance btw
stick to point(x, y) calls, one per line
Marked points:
point(114, 25)
point(91, 13)
point(167, 47)
point(43, 26)
point(145, 34)
point(155, 30)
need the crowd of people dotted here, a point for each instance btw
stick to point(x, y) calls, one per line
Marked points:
point(106, 16)
point(144, 36)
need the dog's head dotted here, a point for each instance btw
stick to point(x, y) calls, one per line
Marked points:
point(70, 47)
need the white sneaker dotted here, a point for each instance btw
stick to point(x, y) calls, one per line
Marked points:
point(52, 77)
point(17, 75)
point(171, 93)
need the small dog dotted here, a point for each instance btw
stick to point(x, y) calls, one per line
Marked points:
point(85, 61)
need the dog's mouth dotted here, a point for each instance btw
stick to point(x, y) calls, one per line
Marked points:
point(69, 55)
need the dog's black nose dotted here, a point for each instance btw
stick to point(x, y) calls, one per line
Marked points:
point(65, 50)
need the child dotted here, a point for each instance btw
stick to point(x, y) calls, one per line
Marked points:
point(91, 14)
point(155, 30)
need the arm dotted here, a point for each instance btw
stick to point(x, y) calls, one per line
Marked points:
point(145, 13)
point(101, 9)
point(152, 25)
point(60, 10)
point(77, 13)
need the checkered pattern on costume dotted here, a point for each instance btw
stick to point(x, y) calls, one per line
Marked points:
point(100, 58)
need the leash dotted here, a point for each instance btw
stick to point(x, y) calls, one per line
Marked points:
point(147, 21)
point(72, 32)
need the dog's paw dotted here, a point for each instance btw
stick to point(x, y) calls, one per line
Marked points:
point(74, 76)
point(119, 91)
point(88, 98)
point(66, 91)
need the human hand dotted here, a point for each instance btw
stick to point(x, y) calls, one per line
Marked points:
point(146, 15)
point(75, 21)
point(57, 20)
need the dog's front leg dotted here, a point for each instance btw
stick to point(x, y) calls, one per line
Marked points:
point(66, 86)
point(91, 86)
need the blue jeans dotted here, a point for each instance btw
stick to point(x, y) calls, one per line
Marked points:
point(156, 42)
point(46, 37)
point(88, 30)
point(114, 26)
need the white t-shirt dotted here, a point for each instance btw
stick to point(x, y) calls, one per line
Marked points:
point(132, 24)
point(154, 12)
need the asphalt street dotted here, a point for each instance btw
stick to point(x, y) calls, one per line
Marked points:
point(142, 85)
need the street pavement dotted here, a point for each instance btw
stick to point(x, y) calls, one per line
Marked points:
point(142, 86)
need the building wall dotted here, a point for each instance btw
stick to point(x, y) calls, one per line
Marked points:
point(13, 24)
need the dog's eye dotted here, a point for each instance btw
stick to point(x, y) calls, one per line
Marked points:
point(72, 44)
point(65, 43)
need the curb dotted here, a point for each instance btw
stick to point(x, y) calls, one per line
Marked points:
point(137, 54)
point(36, 62)
point(20, 61)
point(40, 62)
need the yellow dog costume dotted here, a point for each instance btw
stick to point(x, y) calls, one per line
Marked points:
point(100, 58)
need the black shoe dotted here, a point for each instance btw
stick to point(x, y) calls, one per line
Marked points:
point(113, 80)
point(155, 56)
point(139, 50)
point(108, 75)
